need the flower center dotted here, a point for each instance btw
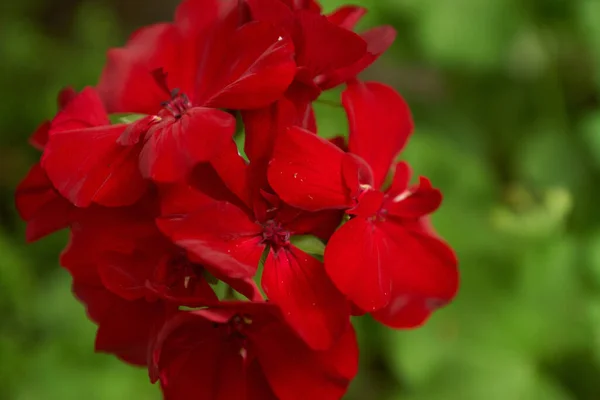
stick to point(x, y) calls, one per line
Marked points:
point(178, 104)
point(275, 235)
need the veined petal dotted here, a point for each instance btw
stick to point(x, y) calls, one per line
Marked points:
point(324, 46)
point(85, 110)
point(127, 83)
point(89, 166)
point(378, 40)
point(347, 16)
point(424, 277)
point(415, 203)
point(220, 236)
point(306, 171)
point(203, 186)
point(40, 205)
point(310, 303)
point(125, 328)
point(380, 125)
point(322, 375)
point(264, 125)
point(174, 147)
point(358, 259)
point(256, 70)
point(275, 12)
point(231, 167)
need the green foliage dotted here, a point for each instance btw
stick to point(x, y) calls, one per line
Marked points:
point(505, 98)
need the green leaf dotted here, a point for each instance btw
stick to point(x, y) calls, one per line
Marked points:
point(309, 244)
point(125, 118)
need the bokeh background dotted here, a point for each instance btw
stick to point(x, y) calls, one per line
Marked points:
point(506, 99)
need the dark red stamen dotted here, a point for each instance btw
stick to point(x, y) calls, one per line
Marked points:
point(178, 104)
point(275, 235)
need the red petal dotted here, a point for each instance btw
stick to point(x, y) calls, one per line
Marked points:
point(321, 224)
point(233, 170)
point(415, 203)
point(98, 230)
point(83, 111)
point(40, 205)
point(378, 41)
point(203, 187)
point(306, 171)
point(310, 303)
point(174, 147)
point(39, 138)
point(177, 280)
point(380, 125)
point(125, 327)
point(128, 330)
point(127, 84)
point(193, 17)
point(358, 259)
point(324, 46)
point(311, 5)
point(401, 179)
point(187, 366)
point(358, 175)
point(258, 67)
point(264, 125)
point(126, 274)
point(347, 16)
point(424, 277)
point(257, 385)
point(275, 12)
point(89, 166)
point(322, 375)
point(221, 236)
point(369, 203)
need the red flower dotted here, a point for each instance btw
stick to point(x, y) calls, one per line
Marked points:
point(246, 351)
point(230, 237)
point(208, 53)
point(106, 164)
point(328, 53)
point(382, 258)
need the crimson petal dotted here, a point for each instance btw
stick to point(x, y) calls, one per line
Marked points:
point(89, 166)
point(424, 277)
point(220, 236)
point(324, 46)
point(306, 171)
point(358, 259)
point(322, 375)
point(40, 205)
point(255, 72)
point(380, 125)
point(174, 148)
point(378, 41)
point(347, 16)
point(191, 355)
point(310, 303)
point(126, 83)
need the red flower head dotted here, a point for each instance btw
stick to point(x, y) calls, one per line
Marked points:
point(246, 351)
point(163, 211)
point(382, 258)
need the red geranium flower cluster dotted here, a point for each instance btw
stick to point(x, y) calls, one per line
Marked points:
point(163, 210)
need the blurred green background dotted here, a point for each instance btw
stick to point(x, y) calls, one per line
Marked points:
point(506, 97)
